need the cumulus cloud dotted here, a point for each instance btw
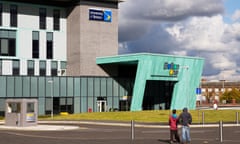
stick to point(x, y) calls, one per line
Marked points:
point(236, 15)
point(170, 10)
point(189, 28)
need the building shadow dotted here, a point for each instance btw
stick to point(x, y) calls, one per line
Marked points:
point(164, 141)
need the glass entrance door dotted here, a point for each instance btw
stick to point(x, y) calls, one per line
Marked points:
point(101, 105)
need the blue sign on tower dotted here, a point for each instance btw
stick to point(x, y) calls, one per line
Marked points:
point(100, 15)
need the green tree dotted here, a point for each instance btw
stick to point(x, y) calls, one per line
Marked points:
point(230, 95)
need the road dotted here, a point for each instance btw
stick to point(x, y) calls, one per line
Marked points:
point(109, 134)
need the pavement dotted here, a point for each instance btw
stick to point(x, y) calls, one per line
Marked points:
point(109, 132)
point(72, 125)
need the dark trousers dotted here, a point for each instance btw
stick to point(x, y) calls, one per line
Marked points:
point(174, 133)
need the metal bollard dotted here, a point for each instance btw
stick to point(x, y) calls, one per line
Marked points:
point(132, 129)
point(221, 131)
point(203, 118)
point(237, 120)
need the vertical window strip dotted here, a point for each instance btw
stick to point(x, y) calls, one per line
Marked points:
point(42, 66)
point(15, 66)
point(49, 45)
point(35, 44)
point(42, 18)
point(54, 68)
point(13, 15)
point(56, 19)
point(1, 10)
point(0, 67)
point(30, 67)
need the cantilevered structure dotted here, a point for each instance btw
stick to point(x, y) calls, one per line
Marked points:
point(160, 81)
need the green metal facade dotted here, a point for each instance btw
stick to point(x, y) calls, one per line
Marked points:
point(151, 67)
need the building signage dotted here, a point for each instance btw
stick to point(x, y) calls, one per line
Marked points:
point(198, 91)
point(100, 15)
point(30, 117)
point(172, 68)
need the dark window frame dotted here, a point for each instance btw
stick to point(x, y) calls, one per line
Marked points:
point(13, 15)
point(1, 11)
point(35, 45)
point(49, 45)
point(42, 18)
point(16, 70)
point(11, 42)
point(30, 70)
point(56, 19)
point(42, 70)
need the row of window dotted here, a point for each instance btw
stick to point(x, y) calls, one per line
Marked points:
point(8, 43)
point(35, 45)
point(31, 66)
point(42, 17)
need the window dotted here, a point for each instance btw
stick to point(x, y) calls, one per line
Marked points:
point(56, 19)
point(42, 70)
point(30, 67)
point(54, 68)
point(49, 45)
point(7, 43)
point(13, 15)
point(35, 44)
point(15, 65)
point(1, 14)
point(42, 18)
point(0, 67)
point(63, 68)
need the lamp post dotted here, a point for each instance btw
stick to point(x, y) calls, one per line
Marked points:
point(51, 83)
point(223, 86)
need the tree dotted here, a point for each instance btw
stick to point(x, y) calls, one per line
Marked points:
point(230, 95)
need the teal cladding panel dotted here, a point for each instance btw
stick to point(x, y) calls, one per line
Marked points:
point(34, 87)
point(41, 86)
point(56, 86)
point(115, 88)
point(26, 87)
point(97, 87)
point(41, 106)
point(10, 86)
point(90, 86)
point(83, 86)
point(109, 87)
point(3, 86)
point(18, 86)
point(103, 87)
point(76, 104)
point(77, 87)
point(63, 86)
point(70, 87)
point(151, 67)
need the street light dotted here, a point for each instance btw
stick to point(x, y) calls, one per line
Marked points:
point(51, 83)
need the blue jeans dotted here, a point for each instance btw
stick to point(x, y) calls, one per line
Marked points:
point(186, 134)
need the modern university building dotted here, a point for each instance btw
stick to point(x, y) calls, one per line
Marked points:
point(64, 53)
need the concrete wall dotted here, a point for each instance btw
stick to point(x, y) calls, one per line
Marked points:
point(88, 39)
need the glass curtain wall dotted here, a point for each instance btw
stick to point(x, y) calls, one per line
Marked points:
point(65, 94)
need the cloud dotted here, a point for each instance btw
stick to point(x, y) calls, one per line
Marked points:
point(188, 28)
point(236, 15)
point(170, 10)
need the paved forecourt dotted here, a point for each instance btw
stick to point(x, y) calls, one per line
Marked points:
point(95, 132)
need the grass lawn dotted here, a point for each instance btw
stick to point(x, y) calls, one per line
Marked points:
point(156, 116)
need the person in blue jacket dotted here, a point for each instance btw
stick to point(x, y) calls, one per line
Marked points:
point(185, 119)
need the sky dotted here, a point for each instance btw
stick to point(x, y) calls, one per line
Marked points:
point(198, 28)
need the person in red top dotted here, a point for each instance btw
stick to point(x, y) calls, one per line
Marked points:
point(173, 123)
